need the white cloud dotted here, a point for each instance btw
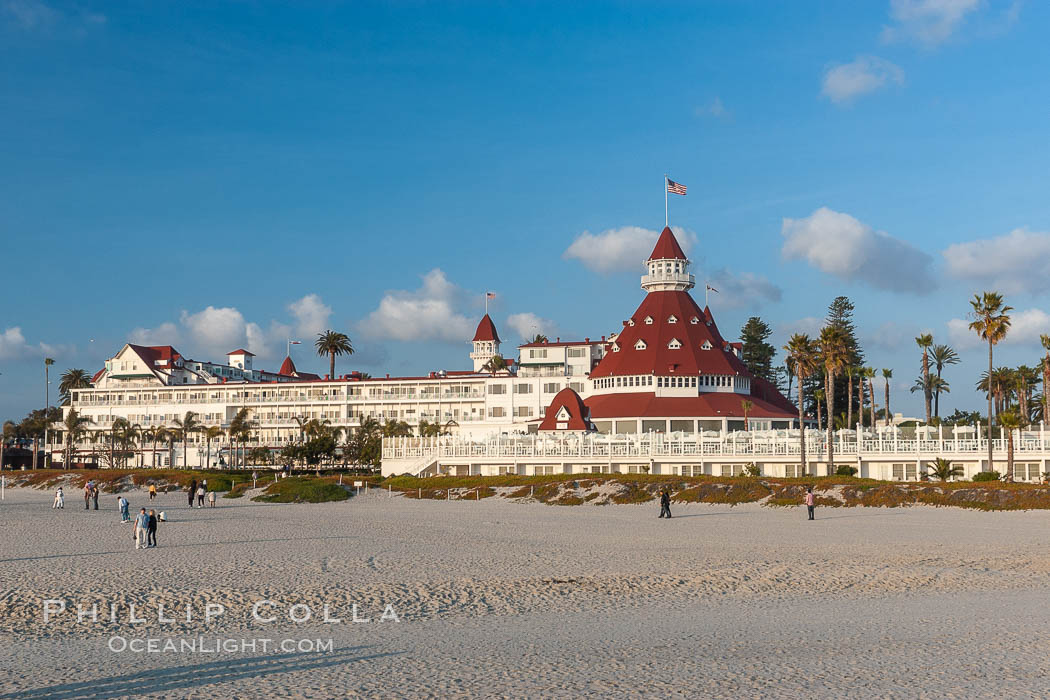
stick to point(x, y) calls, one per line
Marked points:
point(218, 331)
point(1015, 263)
point(714, 108)
point(929, 22)
point(846, 81)
point(624, 248)
point(166, 333)
point(1025, 328)
point(743, 290)
point(12, 343)
point(311, 316)
point(30, 14)
point(428, 313)
point(891, 335)
point(528, 324)
point(810, 325)
point(840, 245)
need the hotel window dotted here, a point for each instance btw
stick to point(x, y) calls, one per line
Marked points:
point(497, 412)
point(674, 344)
point(497, 388)
point(577, 352)
point(648, 320)
point(616, 347)
point(672, 319)
point(538, 353)
point(576, 386)
point(523, 389)
point(551, 388)
point(640, 345)
point(694, 320)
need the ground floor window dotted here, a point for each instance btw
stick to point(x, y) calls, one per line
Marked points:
point(731, 469)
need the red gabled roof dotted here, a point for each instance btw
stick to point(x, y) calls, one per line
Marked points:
point(240, 351)
point(768, 392)
point(711, 405)
point(667, 247)
point(657, 358)
point(486, 330)
point(287, 367)
point(155, 356)
point(98, 374)
point(574, 406)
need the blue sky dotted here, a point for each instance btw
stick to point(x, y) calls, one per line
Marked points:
point(224, 175)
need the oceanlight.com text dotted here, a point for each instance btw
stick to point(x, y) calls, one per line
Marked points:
point(217, 645)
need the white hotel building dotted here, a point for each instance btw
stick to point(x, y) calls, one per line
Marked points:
point(666, 394)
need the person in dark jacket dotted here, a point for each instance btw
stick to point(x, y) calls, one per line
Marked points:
point(151, 530)
point(665, 504)
point(94, 496)
point(193, 491)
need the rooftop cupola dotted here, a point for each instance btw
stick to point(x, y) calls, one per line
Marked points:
point(486, 343)
point(668, 267)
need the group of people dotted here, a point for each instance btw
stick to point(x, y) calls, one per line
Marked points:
point(665, 503)
point(91, 492)
point(146, 529)
point(199, 491)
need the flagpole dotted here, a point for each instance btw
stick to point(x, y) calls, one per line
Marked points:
point(486, 303)
point(707, 294)
point(667, 219)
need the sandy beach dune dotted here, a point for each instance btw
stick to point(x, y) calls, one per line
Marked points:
point(497, 598)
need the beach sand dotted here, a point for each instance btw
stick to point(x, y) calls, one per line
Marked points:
point(497, 598)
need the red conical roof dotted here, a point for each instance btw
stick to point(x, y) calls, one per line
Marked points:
point(287, 367)
point(486, 330)
point(577, 418)
point(667, 247)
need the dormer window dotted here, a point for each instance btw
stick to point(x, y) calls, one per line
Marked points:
point(694, 320)
point(672, 319)
point(616, 347)
point(674, 344)
point(640, 345)
point(630, 322)
point(706, 345)
point(648, 320)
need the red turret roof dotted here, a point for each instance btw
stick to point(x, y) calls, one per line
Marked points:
point(656, 357)
point(486, 330)
point(240, 351)
point(667, 247)
point(287, 367)
point(577, 417)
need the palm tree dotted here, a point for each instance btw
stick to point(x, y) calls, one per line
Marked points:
point(495, 364)
point(887, 375)
point(991, 321)
point(184, 426)
point(1010, 421)
point(925, 341)
point(818, 396)
point(240, 430)
point(932, 385)
point(212, 432)
point(849, 372)
point(75, 426)
point(869, 374)
point(942, 356)
point(72, 379)
point(834, 351)
point(944, 470)
point(1025, 379)
point(155, 435)
point(333, 343)
point(746, 407)
point(802, 361)
point(999, 385)
point(1045, 340)
point(539, 338)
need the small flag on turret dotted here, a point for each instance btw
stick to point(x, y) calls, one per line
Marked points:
point(712, 289)
point(675, 187)
point(490, 295)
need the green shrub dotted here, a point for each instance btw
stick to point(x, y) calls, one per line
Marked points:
point(752, 469)
point(986, 476)
point(845, 470)
point(301, 489)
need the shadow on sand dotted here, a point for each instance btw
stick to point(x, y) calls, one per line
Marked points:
point(187, 678)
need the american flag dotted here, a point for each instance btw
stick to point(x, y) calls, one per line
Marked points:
point(490, 295)
point(675, 187)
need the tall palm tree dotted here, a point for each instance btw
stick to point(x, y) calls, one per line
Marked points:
point(184, 426)
point(925, 341)
point(1010, 421)
point(849, 373)
point(834, 352)
point(887, 375)
point(1025, 379)
point(1045, 340)
point(991, 321)
point(802, 359)
point(72, 379)
point(942, 356)
point(240, 430)
point(333, 343)
point(1000, 387)
point(818, 397)
point(116, 429)
point(210, 433)
point(75, 426)
point(866, 373)
point(746, 405)
point(153, 436)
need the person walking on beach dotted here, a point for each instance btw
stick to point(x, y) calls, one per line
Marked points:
point(811, 501)
point(151, 530)
point(141, 527)
point(193, 491)
point(211, 499)
point(665, 504)
point(60, 499)
point(152, 491)
point(87, 496)
point(94, 495)
point(123, 503)
point(200, 496)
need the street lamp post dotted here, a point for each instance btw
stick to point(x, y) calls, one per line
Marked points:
point(47, 403)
